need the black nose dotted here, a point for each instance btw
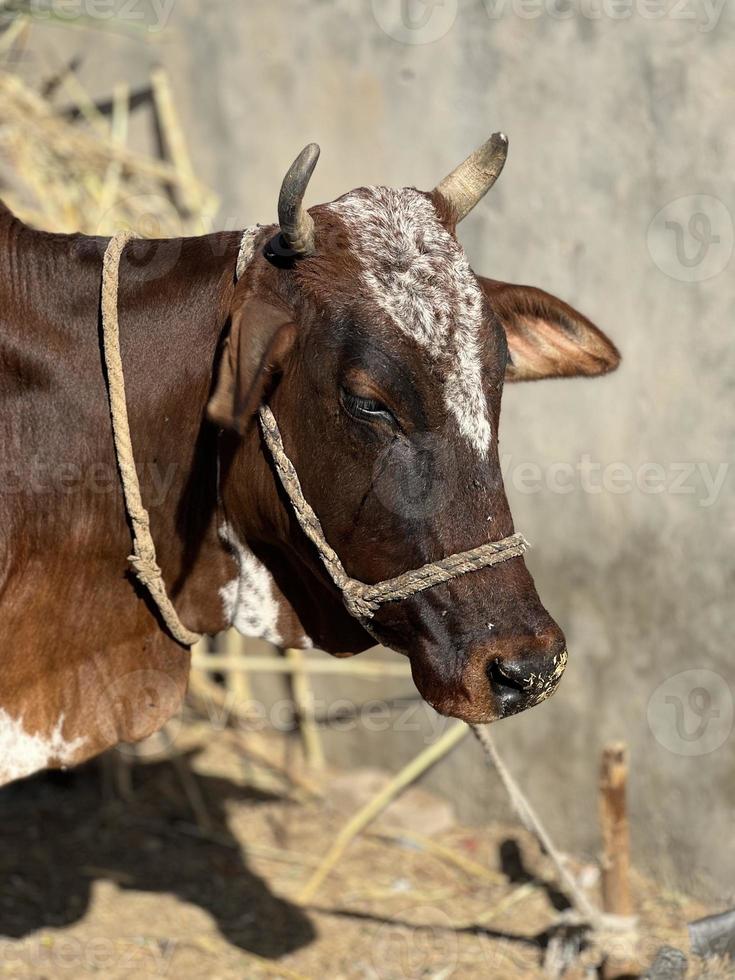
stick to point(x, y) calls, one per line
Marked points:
point(510, 685)
point(523, 681)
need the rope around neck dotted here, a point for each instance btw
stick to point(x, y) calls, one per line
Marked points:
point(361, 600)
point(143, 558)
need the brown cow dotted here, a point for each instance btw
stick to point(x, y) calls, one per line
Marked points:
point(381, 355)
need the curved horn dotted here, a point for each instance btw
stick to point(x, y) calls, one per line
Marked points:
point(466, 185)
point(297, 226)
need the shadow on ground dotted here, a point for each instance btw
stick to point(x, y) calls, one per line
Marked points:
point(59, 837)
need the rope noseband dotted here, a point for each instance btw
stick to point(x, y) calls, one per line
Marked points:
point(361, 600)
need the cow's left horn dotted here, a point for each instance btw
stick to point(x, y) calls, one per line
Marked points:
point(297, 225)
point(469, 183)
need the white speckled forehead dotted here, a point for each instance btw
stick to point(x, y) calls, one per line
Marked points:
point(418, 275)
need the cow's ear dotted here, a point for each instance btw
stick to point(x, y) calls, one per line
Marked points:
point(547, 338)
point(260, 337)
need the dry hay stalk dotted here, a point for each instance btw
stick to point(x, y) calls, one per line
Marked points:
point(70, 175)
point(303, 698)
point(436, 751)
point(442, 852)
point(257, 664)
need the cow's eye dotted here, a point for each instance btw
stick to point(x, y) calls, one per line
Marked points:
point(366, 409)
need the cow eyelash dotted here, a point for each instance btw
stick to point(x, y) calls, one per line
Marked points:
point(365, 409)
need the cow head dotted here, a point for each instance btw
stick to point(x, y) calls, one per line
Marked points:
point(383, 357)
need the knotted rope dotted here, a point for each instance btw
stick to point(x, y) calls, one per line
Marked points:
point(143, 559)
point(362, 600)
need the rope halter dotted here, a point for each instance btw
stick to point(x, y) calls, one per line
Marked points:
point(362, 600)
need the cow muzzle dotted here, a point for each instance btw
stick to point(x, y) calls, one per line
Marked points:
point(525, 680)
point(500, 677)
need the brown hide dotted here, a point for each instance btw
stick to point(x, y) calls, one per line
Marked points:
point(83, 653)
point(85, 661)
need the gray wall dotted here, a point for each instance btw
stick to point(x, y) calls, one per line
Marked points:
point(611, 119)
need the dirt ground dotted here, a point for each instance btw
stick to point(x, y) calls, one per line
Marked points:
point(93, 885)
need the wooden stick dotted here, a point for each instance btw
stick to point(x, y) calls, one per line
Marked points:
point(443, 745)
point(237, 680)
point(118, 776)
point(119, 136)
point(199, 681)
point(258, 664)
point(18, 27)
point(193, 792)
point(303, 697)
point(175, 141)
point(615, 861)
point(207, 693)
point(85, 103)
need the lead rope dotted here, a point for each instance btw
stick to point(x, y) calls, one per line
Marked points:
point(362, 600)
point(143, 558)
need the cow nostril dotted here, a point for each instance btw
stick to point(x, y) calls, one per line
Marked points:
point(521, 682)
point(523, 674)
point(509, 689)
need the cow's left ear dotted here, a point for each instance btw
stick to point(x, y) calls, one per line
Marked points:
point(547, 338)
point(260, 337)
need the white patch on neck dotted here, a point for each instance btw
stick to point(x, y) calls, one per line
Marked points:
point(250, 605)
point(22, 754)
point(419, 276)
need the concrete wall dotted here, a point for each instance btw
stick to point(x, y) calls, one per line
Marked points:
point(613, 114)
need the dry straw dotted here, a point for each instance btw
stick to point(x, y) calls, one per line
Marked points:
point(65, 165)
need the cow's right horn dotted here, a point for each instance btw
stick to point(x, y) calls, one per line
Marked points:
point(469, 183)
point(297, 225)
